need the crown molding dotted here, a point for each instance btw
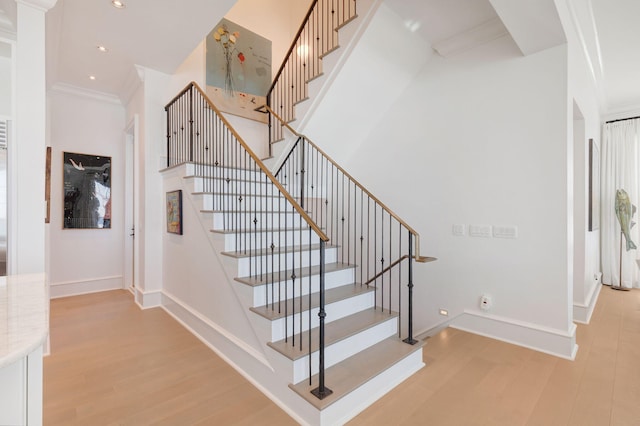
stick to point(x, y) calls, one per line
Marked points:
point(470, 39)
point(95, 95)
point(42, 5)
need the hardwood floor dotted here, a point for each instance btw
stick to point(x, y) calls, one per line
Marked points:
point(112, 363)
point(473, 380)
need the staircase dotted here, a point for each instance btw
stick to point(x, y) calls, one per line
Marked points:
point(322, 266)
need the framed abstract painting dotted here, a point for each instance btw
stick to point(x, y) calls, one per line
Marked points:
point(87, 191)
point(174, 212)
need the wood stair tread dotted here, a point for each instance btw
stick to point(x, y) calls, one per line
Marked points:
point(262, 180)
point(231, 212)
point(303, 272)
point(259, 230)
point(237, 194)
point(334, 331)
point(276, 250)
point(332, 295)
point(353, 372)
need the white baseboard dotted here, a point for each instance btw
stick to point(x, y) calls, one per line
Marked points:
point(91, 285)
point(147, 299)
point(582, 313)
point(551, 341)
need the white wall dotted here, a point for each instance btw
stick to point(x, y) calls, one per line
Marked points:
point(83, 260)
point(381, 67)
point(479, 138)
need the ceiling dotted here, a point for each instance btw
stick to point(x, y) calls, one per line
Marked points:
point(159, 34)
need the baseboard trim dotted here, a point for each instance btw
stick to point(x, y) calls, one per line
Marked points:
point(432, 331)
point(147, 299)
point(87, 286)
point(532, 336)
point(582, 313)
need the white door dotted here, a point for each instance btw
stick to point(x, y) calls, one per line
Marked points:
point(131, 141)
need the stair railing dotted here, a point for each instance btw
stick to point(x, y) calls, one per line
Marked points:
point(366, 231)
point(317, 36)
point(248, 201)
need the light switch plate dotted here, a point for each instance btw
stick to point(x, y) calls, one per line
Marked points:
point(483, 231)
point(505, 231)
point(459, 230)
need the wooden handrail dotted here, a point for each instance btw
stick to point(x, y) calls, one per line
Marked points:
point(418, 258)
point(257, 160)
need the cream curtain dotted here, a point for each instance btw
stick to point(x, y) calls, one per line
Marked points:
point(620, 170)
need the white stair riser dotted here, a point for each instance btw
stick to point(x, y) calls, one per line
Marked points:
point(335, 311)
point(232, 187)
point(259, 240)
point(260, 220)
point(354, 402)
point(248, 267)
point(213, 171)
point(263, 294)
point(251, 203)
point(345, 348)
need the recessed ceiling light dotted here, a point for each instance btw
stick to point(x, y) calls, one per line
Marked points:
point(92, 77)
point(118, 4)
point(102, 48)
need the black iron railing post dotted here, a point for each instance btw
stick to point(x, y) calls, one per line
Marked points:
point(321, 391)
point(191, 123)
point(166, 110)
point(410, 340)
point(302, 172)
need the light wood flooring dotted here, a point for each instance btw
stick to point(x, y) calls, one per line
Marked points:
point(112, 363)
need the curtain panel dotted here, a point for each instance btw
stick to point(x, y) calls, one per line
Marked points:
point(619, 170)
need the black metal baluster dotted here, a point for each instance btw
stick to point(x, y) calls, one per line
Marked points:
point(382, 260)
point(410, 340)
point(321, 391)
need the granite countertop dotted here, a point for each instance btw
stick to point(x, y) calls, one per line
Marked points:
point(24, 317)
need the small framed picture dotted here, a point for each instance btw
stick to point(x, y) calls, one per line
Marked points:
point(174, 212)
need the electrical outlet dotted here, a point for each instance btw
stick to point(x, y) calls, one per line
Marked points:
point(486, 302)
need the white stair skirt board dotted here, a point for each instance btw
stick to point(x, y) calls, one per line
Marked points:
point(551, 341)
point(86, 286)
point(582, 313)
